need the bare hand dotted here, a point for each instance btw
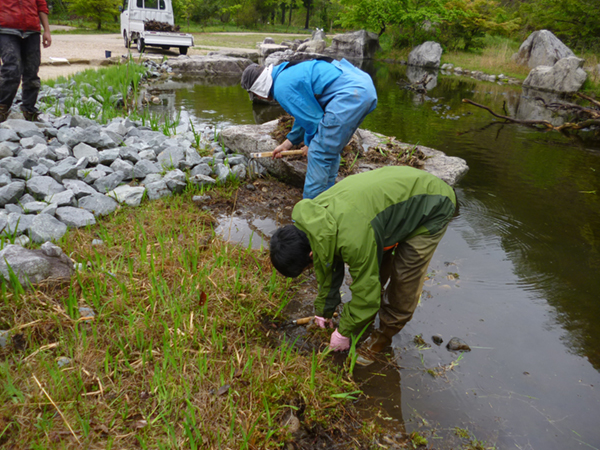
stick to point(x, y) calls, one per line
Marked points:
point(286, 145)
point(304, 150)
point(46, 39)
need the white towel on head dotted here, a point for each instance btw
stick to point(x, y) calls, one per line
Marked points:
point(262, 85)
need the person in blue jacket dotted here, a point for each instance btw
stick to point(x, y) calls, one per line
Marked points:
point(328, 99)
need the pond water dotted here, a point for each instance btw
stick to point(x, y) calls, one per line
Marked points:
point(517, 275)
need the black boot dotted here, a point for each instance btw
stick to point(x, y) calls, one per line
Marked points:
point(31, 116)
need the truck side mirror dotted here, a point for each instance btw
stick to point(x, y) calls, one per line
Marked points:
point(120, 9)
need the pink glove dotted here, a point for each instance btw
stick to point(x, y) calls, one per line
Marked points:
point(339, 342)
point(323, 322)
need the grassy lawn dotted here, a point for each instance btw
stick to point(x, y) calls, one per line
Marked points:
point(176, 353)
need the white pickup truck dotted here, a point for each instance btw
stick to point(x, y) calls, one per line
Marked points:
point(133, 15)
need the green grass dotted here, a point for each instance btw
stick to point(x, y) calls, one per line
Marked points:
point(176, 355)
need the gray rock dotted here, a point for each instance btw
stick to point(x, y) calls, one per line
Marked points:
point(428, 55)
point(267, 49)
point(40, 169)
point(157, 189)
point(313, 46)
point(12, 192)
point(7, 149)
point(98, 204)
point(566, 76)
point(75, 217)
point(238, 159)
point(152, 177)
point(40, 187)
point(8, 135)
point(175, 180)
point(239, 171)
point(171, 158)
point(125, 167)
point(541, 48)
point(192, 158)
point(248, 139)
point(5, 178)
point(147, 154)
point(26, 199)
point(144, 168)
point(33, 266)
point(13, 165)
point(455, 344)
point(21, 127)
point(79, 188)
point(83, 150)
point(50, 209)
point(222, 172)
point(358, 44)
point(201, 169)
point(63, 170)
point(109, 182)
point(129, 154)
point(34, 207)
point(108, 156)
point(64, 198)
point(12, 208)
point(213, 65)
point(31, 142)
point(17, 224)
point(130, 195)
point(62, 152)
point(202, 180)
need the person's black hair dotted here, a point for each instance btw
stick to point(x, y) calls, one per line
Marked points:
point(290, 251)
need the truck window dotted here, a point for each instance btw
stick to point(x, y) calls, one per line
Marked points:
point(151, 4)
point(161, 4)
point(140, 3)
point(125, 5)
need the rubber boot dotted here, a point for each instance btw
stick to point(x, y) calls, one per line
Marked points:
point(4, 112)
point(367, 353)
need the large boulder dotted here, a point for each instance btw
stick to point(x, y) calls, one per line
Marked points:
point(212, 65)
point(428, 55)
point(541, 48)
point(34, 266)
point(267, 49)
point(358, 44)
point(313, 46)
point(566, 76)
point(249, 139)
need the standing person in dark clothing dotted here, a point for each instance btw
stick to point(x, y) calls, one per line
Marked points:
point(385, 224)
point(328, 99)
point(20, 53)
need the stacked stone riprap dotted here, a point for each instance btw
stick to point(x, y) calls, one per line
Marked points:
point(69, 170)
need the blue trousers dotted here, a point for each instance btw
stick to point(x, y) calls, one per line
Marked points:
point(348, 100)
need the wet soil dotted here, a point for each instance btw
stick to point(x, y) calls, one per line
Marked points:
point(259, 208)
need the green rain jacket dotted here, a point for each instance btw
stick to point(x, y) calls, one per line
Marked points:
point(355, 220)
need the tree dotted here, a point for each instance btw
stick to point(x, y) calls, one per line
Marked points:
point(96, 10)
point(468, 21)
point(576, 22)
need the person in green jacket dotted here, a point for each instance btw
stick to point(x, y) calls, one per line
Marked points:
point(385, 224)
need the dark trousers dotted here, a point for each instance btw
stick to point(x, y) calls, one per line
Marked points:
point(20, 62)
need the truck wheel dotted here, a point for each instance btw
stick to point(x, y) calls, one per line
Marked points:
point(183, 50)
point(141, 45)
point(126, 39)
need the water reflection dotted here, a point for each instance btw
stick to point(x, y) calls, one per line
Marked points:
point(526, 249)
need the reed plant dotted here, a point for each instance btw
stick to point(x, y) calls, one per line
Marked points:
point(176, 353)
